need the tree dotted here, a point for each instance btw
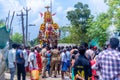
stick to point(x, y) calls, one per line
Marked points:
point(65, 37)
point(114, 11)
point(34, 42)
point(17, 38)
point(79, 16)
point(2, 23)
point(79, 22)
point(97, 29)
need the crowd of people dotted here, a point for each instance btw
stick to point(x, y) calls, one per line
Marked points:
point(71, 62)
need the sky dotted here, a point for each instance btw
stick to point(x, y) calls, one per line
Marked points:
point(60, 7)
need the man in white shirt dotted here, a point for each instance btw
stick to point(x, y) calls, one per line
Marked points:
point(64, 67)
point(32, 60)
point(12, 61)
point(25, 54)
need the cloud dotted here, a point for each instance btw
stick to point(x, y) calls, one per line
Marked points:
point(56, 19)
point(12, 5)
point(16, 5)
point(38, 20)
point(98, 6)
point(59, 9)
point(38, 5)
point(35, 5)
point(69, 9)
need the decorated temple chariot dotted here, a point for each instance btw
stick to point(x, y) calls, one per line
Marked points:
point(49, 30)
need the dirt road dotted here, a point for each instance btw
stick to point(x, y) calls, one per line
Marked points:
point(7, 77)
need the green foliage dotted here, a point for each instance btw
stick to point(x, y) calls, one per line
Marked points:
point(98, 29)
point(64, 30)
point(114, 11)
point(65, 38)
point(79, 16)
point(103, 21)
point(85, 27)
point(34, 42)
point(79, 22)
point(17, 38)
point(2, 23)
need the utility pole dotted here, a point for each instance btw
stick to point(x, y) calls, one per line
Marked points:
point(27, 10)
point(12, 20)
point(11, 28)
point(23, 29)
point(7, 20)
point(51, 5)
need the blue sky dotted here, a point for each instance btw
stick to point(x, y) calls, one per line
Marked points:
point(60, 7)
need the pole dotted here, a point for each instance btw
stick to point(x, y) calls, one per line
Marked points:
point(23, 27)
point(27, 23)
point(22, 22)
point(51, 5)
point(11, 29)
point(29, 36)
point(12, 19)
point(8, 19)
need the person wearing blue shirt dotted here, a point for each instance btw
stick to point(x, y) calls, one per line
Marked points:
point(20, 63)
point(48, 55)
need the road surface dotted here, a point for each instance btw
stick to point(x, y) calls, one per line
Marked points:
point(7, 77)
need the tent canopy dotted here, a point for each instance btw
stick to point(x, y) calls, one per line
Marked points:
point(4, 36)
